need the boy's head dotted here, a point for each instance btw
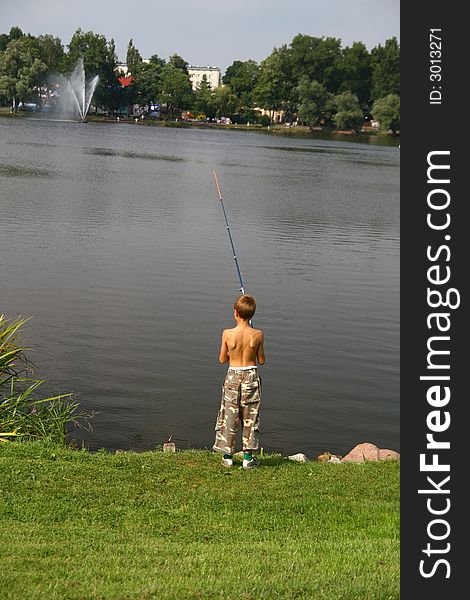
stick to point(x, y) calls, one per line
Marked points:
point(245, 306)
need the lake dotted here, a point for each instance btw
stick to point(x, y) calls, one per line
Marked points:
point(113, 238)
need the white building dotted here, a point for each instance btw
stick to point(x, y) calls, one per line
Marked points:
point(197, 73)
point(121, 67)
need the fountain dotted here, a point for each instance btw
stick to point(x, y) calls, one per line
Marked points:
point(77, 93)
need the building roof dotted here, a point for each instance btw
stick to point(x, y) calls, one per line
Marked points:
point(125, 81)
point(194, 68)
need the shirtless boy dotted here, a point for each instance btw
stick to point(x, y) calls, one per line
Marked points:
point(242, 346)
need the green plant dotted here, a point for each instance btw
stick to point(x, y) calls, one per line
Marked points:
point(23, 414)
point(264, 120)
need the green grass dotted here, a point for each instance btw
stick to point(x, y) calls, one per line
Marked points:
point(76, 525)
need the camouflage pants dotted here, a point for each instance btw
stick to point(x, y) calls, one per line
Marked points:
point(241, 395)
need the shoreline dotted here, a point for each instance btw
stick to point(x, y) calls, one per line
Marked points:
point(299, 132)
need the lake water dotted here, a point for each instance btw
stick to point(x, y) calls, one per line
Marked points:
point(113, 238)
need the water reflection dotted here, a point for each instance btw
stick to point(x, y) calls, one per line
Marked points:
point(120, 252)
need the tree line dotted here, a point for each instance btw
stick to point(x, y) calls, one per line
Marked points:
point(312, 81)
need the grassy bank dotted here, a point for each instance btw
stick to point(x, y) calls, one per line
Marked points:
point(175, 526)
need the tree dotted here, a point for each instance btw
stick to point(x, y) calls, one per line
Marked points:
point(316, 58)
point(203, 101)
point(99, 58)
point(4, 40)
point(133, 59)
point(176, 89)
point(177, 61)
point(109, 91)
point(94, 50)
point(147, 85)
point(242, 76)
point(385, 61)
point(51, 52)
point(348, 112)
point(15, 34)
point(274, 87)
point(315, 103)
point(356, 72)
point(387, 112)
point(156, 60)
point(21, 70)
point(225, 101)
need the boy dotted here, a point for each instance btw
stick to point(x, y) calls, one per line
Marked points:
point(242, 346)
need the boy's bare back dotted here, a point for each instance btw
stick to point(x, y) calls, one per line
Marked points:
point(242, 346)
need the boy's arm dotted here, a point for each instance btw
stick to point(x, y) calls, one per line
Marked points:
point(223, 355)
point(260, 354)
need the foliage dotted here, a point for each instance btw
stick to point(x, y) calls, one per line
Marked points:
point(20, 69)
point(203, 100)
point(99, 58)
point(316, 105)
point(24, 415)
point(385, 61)
point(147, 84)
point(177, 93)
point(348, 112)
point(356, 72)
point(4, 40)
point(387, 112)
point(242, 76)
point(264, 120)
point(177, 61)
point(316, 58)
point(156, 60)
point(225, 101)
point(115, 525)
point(51, 52)
point(133, 59)
point(274, 84)
point(15, 33)
point(92, 48)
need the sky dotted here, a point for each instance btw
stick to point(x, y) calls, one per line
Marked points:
point(207, 32)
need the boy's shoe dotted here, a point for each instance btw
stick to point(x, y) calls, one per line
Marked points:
point(227, 462)
point(250, 464)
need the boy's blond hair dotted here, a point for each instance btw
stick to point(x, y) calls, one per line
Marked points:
point(245, 305)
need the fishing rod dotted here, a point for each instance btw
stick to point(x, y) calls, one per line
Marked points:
point(242, 287)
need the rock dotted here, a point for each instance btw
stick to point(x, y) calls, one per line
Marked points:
point(362, 453)
point(334, 459)
point(169, 447)
point(328, 457)
point(298, 457)
point(385, 454)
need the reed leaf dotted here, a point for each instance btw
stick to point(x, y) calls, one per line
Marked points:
point(23, 413)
